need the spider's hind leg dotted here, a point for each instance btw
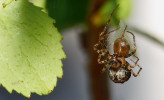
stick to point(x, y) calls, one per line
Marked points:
point(135, 75)
point(135, 63)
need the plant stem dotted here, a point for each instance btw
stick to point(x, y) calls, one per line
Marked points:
point(99, 81)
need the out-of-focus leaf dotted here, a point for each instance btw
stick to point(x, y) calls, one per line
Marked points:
point(105, 11)
point(30, 52)
point(67, 12)
point(124, 10)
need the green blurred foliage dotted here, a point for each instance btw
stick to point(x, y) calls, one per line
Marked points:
point(70, 12)
point(122, 12)
point(106, 10)
point(67, 12)
point(125, 7)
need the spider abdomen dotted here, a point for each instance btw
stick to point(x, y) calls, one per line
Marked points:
point(121, 47)
point(119, 76)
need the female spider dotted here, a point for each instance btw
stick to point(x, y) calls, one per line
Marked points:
point(119, 69)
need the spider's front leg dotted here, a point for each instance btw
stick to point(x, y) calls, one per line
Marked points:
point(102, 39)
point(106, 35)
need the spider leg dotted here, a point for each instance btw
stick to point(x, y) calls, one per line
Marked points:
point(103, 61)
point(135, 63)
point(106, 35)
point(102, 53)
point(135, 75)
point(104, 68)
point(106, 26)
point(134, 45)
point(95, 46)
point(103, 39)
point(100, 41)
point(106, 64)
point(123, 33)
point(99, 51)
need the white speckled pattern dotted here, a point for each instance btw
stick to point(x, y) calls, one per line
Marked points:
point(119, 76)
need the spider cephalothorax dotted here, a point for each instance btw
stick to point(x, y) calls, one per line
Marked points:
point(119, 69)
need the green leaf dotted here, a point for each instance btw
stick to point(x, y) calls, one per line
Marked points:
point(39, 3)
point(67, 12)
point(30, 49)
point(125, 7)
point(122, 12)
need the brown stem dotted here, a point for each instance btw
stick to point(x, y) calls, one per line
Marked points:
point(99, 81)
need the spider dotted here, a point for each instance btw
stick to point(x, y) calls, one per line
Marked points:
point(119, 69)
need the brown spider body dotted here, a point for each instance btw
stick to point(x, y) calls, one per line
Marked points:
point(119, 69)
point(119, 76)
point(121, 50)
point(121, 47)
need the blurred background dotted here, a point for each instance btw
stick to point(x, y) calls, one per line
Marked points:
point(80, 22)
